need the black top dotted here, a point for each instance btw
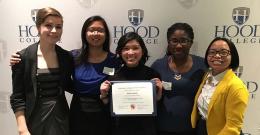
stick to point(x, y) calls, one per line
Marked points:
point(24, 82)
point(134, 125)
point(140, 72)
point(48, 82)
point(50, 115)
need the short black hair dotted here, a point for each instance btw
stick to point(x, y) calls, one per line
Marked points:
point(233, 52)
point(181, 26)
point(128, 37)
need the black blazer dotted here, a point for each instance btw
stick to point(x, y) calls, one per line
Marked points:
point(24, 83)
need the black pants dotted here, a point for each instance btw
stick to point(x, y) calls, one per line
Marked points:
point(192, 132)
point(201, 128)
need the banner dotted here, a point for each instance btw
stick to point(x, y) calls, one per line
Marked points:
point(237, 20)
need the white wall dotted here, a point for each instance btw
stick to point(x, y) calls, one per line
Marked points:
point(204, 16)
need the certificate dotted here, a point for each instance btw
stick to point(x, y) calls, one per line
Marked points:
point(133, 98)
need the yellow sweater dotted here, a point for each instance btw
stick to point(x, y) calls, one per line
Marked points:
point(226, 108)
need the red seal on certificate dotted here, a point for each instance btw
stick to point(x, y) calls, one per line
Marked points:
point(132, 106)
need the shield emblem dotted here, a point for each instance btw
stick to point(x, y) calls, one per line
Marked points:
point(135, 16)
point(33, 14)
point(240, 15)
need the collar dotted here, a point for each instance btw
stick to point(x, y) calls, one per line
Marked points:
point(217, 78)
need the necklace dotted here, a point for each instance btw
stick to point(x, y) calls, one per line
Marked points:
point(177, 76)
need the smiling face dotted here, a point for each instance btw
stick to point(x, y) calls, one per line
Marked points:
point(95, 34)
point(50, 30)
point(132, 53)
point(219, 57)
point(179, 44)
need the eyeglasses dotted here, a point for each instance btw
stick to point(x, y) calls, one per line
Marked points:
point(222, 52)
point(181, 41)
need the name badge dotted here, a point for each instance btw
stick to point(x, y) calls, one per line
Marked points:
point(167, 85)
point(109, 71)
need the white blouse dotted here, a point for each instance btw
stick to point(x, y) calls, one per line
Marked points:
point(207, 91)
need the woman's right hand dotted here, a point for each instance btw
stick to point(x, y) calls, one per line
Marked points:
point(21, 123)
point(159, 88)
point(104, 88)
point(26, 132)
point(15, 58)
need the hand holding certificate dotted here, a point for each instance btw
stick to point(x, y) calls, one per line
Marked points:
point(133, 98)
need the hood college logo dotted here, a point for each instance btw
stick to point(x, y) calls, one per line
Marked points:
point(33, 14)
point(135, 16)
point(240, 15)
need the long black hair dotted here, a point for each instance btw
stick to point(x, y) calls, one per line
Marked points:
point(84, 51)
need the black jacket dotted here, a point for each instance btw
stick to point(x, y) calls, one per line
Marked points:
point(24, 83)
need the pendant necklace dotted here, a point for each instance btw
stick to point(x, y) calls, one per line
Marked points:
point(177, 76)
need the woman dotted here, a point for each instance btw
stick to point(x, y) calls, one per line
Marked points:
point(132, 51)
point(181, 74)
point(39, 80)
point(222, 98)
point(94, 63)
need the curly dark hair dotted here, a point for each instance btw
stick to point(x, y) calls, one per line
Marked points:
point(179, 26)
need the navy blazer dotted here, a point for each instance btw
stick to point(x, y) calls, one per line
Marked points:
point(25, 94)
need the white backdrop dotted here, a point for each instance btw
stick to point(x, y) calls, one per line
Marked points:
point(208, 18)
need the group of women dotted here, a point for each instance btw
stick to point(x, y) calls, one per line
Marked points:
point(190, 98)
